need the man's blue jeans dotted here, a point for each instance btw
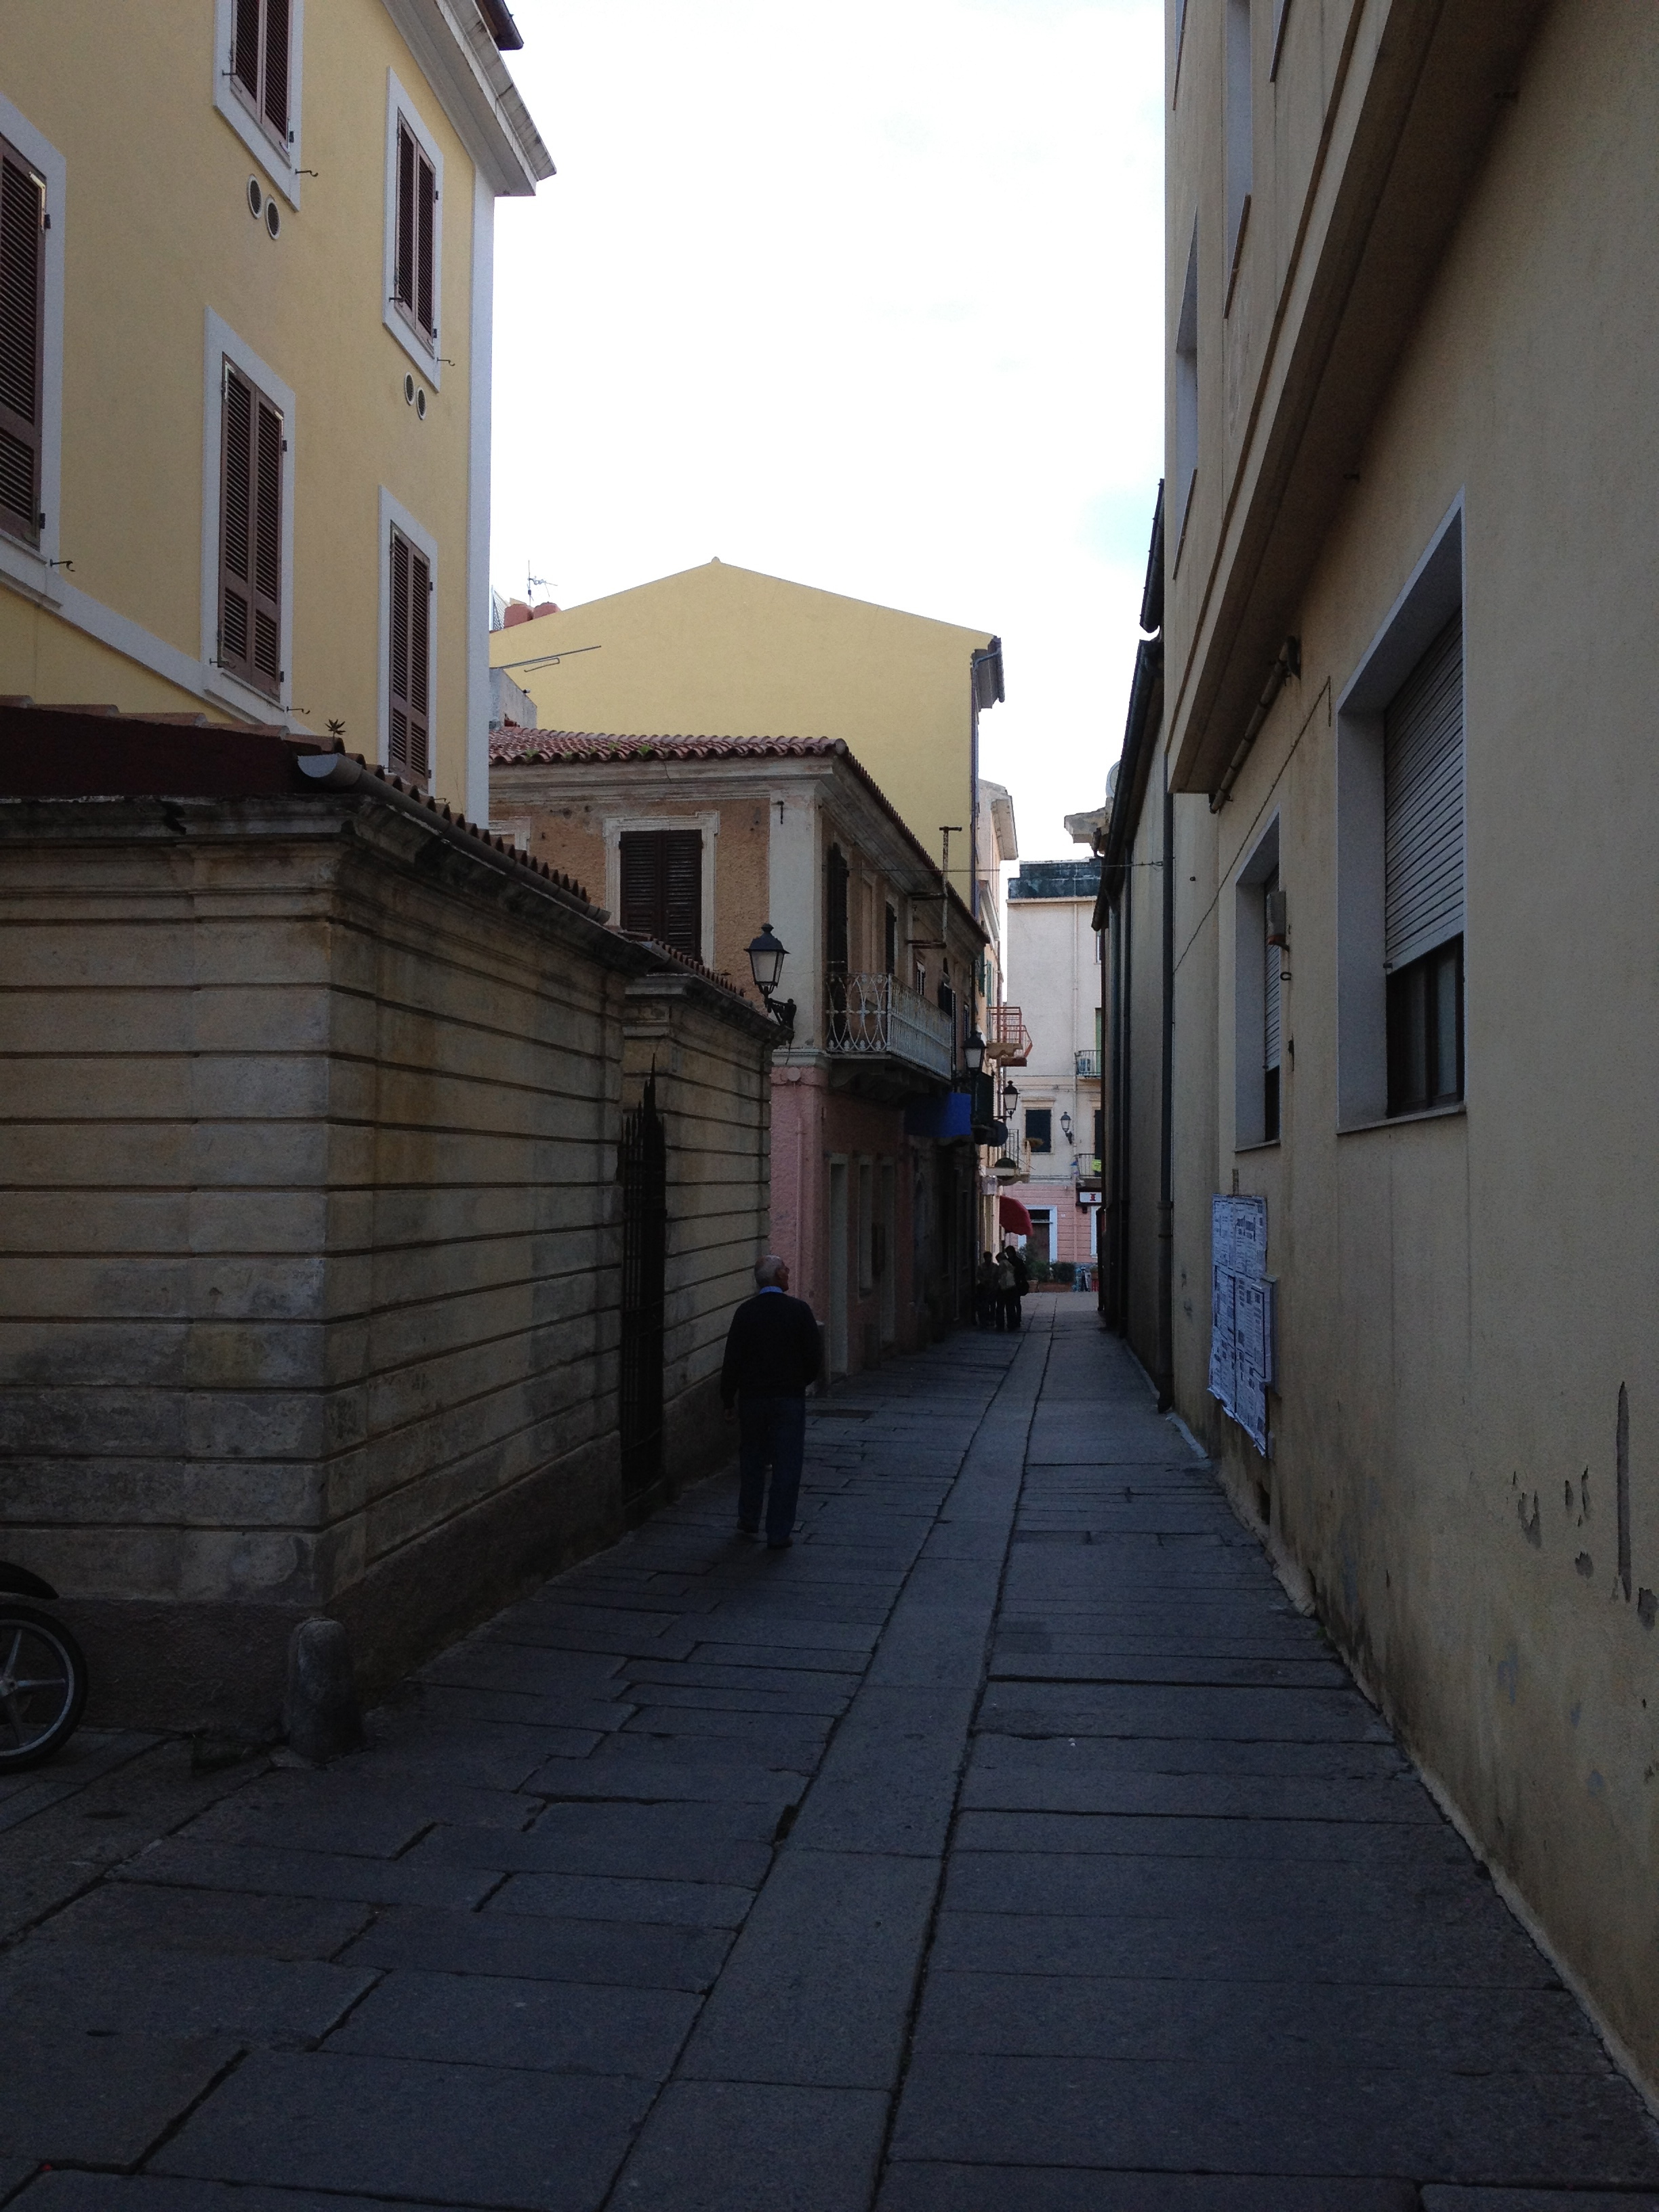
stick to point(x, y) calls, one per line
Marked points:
point(774, 1430)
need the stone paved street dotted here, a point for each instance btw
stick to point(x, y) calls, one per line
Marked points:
point(1010, 1844)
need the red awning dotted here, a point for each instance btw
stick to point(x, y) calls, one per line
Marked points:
point(1011, 1214)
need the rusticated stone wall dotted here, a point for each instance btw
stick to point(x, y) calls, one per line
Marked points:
point(310, 1262)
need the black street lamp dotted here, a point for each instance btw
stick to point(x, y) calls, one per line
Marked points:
point(973, 1052)
point(766, 958)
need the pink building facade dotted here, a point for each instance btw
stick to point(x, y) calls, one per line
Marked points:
point(700, 843)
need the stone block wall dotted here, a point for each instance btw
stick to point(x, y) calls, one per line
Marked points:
point(309, 1274)
point(713, 1092)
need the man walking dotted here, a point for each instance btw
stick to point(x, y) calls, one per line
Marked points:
point(1015, 1283)
point(773, 1350)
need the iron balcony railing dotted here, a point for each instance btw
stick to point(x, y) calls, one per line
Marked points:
point(1088, 1066)
point(872, 1014)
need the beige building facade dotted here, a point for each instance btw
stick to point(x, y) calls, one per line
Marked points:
point(1053, 1101)
point(1379, 889)
point(245, 431)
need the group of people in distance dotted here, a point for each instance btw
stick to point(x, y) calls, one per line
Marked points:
point(999, 1284)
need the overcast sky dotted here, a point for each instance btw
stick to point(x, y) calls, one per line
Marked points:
point(868, 297)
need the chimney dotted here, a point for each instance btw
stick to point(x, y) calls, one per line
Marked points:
point(543, 607)
point(517, 612)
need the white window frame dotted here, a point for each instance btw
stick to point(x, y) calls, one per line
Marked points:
point(222, 344)
point(1433, 593)
point(399, 107)
point(283, 168)
point(616, 826)
point(1250, 994)
point(394, 513)
point(30, 566)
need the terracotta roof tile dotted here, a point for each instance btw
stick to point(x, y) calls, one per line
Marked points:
point(547, 746)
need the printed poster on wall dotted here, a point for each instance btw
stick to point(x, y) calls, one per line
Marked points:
point(1242, 1359)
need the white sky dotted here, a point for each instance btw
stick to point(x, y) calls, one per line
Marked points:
point(870, 297)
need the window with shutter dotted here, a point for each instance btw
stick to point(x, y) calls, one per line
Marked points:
point(22, 324)
point(1271, 975)
point(662, 887)
point(250, 534)
point(1423, 879)
point(1423, 803)
point(415, 288)
point(259, 62)
point(409, 734)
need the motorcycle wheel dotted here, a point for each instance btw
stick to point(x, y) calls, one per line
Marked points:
point(43, 1685)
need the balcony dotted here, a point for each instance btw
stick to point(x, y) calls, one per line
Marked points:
point(1088, 1066)
point(872, 1018)
point(1007, 1040)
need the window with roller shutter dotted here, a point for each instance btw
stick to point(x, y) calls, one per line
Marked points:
point(415, 290)
point(259, 62)
point(662, 887)
point(250, 533)
point(1423, 879)
point(408, 734)
point(22, 324)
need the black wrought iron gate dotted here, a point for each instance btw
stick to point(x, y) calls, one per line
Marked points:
point(642, 1166)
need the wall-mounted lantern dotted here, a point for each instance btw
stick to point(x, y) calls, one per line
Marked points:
point(766, 958)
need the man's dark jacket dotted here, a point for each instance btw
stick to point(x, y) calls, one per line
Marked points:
point(773, 1349)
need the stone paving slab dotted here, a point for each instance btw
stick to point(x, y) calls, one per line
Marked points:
point(550, 2027)
point(103, 1991)
point(460, 2135)
point(1318, 2120)
point(920, 2188)
point(226, 1923)
point(69, 2097)
point(1010, 1844)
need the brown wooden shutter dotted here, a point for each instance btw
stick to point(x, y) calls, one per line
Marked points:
point(662, 887)
point(426, 190)
point(251, 535)
point(682, 907)
point(409, 674)
point(404, 284)
point(245, 55)
point(235, 526)
point(22, 327)
point(274, 98)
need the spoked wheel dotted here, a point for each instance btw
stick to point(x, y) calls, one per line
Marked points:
point(43, 1685)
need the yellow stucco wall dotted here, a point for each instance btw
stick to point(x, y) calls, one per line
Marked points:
point(156, 229)
point(1463, 1298)
point(726, 652)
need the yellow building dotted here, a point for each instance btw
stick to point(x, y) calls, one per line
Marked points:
point(245, 362)
point(726, 649)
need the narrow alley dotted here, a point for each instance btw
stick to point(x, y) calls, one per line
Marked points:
point(1008, 1845)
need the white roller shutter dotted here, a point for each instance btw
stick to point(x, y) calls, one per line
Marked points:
point(1423, 802)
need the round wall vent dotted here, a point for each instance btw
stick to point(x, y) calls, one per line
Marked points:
point(409, 390)
point(420, 404)
point(273, 217)
point(256, 198)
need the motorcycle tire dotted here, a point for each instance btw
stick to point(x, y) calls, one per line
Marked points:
point(43, 1685)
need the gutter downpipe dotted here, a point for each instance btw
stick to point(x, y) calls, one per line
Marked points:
point(1288, 663)
point(1165, 1376)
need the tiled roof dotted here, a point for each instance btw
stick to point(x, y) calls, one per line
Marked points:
point(569, 748)
point(548, 746)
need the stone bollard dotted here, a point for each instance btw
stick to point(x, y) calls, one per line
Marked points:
point(320, 1711)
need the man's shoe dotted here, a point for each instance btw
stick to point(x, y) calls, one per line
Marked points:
point(779, 1543)
point(748, 1527)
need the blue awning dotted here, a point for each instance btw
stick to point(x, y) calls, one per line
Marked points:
point(943, 1118)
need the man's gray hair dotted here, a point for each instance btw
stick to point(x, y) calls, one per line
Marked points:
point(769, 1270)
